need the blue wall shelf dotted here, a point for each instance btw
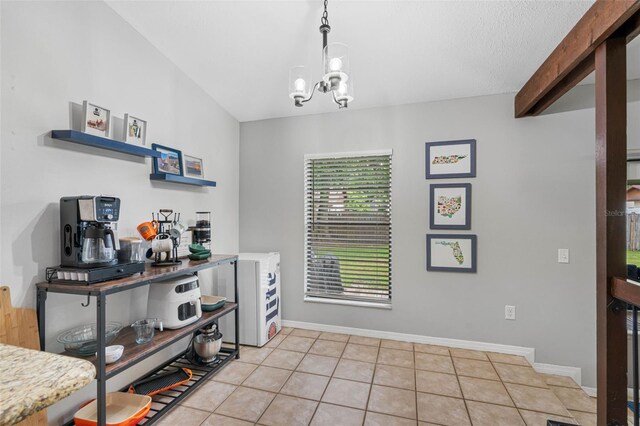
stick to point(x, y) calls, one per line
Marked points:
point(104, 143)
point(181, 179)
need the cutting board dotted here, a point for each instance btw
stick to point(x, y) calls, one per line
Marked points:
point(19, 327)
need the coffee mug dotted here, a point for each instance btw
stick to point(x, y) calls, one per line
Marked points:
point(160, 245)
point(148, 230)
point(177, 229)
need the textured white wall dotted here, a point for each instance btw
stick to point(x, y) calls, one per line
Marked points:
point(57, 52)
point(534, 193)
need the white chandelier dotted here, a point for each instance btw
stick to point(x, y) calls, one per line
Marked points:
point(336, 75)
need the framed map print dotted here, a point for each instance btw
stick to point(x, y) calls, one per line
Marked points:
point(452, 253)
point(450, 206)
point(450, 159)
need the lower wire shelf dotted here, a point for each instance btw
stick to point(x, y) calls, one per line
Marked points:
point(166, 400)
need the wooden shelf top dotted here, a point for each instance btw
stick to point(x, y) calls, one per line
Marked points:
point(151, 274)
point(134, 353)
point(103, 143)
point(181, 179)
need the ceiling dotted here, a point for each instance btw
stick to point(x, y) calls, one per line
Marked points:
point(240, 52)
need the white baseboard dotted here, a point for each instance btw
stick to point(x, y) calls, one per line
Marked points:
point(528, 353)
point(560, 370)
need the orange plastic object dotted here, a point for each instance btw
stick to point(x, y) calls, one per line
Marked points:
point(123, 409)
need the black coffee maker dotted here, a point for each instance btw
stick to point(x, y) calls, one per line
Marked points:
point(87, 242)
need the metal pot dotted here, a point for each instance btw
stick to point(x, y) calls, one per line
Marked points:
point(208, 343)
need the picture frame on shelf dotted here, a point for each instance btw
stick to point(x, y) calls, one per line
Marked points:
point(450, 206)
point(193, 167)
point(450, 159)
point(135, 130)
point(170, 161)
point(452, 253)
point(96, 120)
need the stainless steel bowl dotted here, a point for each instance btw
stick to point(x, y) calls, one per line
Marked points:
point(206, 348)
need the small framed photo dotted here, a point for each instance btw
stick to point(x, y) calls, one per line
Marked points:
point(170, 161)
point(450, 159)
point(452, 252)
point(135, 130)
point(450, 206)
point(193, 167)
point(95, 119)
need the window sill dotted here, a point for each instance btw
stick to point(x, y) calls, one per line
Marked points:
point(347, 302)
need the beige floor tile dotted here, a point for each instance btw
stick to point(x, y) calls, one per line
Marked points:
point(392, 401)
point(533, 418)
point(431, 362)
point(275, 341)
point(431, 349)
point(493, 415)
point(267, 378)
point(218, 420)
point(438, 383)
point(246, 404)
point(360, 352)
point(536, 399)
point(234, 373)
point(317, 364)
point(254, 355)
point(395, 357)
point(305, 333)
point(519, 374)
point(208, 396)
point(442, 410)
point(284, 359)
point(563, 381)
point(296, 343)
point(286, 330)
point(288, 411)
point(335, 337)
point(575, 399)
point(475, 368)
point(183, 416)
point(361, 340)
point(304, 385)
point(508, 359)
point(484, 391)
point(396, 344)
point(377, 419)
point(335, 415)
point(397, 377)
point(327, 348)
point(354, 370)
point(585, 419)
point(347, 393)
point(469, 354)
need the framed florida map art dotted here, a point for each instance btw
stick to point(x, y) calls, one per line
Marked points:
point(450, 206)
point(452, 252)
point(450, 159)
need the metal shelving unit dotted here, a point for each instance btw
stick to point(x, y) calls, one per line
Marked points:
point(135, 353)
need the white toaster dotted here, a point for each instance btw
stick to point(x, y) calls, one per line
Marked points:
point(176, 301)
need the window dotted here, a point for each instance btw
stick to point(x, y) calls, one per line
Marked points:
point(348, 228)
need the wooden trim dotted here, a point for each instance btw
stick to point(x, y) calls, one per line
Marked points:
point(611, 175)
point(602, 20)
point(626, 291)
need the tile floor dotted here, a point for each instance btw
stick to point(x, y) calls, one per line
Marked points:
point(305, 377)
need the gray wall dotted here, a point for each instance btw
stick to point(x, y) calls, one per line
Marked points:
point(534, 193)
point(57, 52)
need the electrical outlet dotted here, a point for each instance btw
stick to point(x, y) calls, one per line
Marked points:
point(563, 255)
point(509, 312)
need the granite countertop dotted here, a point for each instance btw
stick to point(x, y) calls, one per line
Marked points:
point(32, 380)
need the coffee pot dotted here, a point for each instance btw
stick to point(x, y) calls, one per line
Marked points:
point(98, 245)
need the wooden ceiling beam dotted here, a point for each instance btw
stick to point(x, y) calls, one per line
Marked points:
point(572, 59)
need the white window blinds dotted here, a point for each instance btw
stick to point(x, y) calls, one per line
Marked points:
point(348, 227)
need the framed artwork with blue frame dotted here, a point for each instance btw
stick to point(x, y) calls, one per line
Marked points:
point(170, 161)
point(450, 206)
point(450, 159)
point(452, 252)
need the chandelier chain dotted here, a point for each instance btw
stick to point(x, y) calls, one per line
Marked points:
point(325, 16)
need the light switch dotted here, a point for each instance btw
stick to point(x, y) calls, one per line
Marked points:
point(563, 255)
